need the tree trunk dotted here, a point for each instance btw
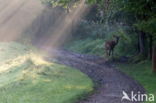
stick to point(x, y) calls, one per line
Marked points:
point(142, 43)
point(150, 46)
point(138, 44)
point(154, 59)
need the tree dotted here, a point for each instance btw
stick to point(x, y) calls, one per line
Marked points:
point(138, 14)
point(154, 59)
point(66, 4)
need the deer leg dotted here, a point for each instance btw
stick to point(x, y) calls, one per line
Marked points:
point(112, 53)
point(109, 52)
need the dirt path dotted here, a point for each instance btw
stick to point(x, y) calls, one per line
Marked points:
point(111, 82)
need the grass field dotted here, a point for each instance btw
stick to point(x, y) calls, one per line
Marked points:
point(26, 78)
point(141, 72)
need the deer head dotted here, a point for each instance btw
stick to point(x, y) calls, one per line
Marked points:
point(116, 39)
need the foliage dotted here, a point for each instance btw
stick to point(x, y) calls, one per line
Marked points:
point(128, 19)
point(91, 30)
point(66, 4)
point(148, 26)
point(127, 46)
point(144, 12)
point(88, 46)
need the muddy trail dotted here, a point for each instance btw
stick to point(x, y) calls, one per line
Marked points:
point(110, 82)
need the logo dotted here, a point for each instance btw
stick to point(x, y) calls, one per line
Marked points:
point(137, 97)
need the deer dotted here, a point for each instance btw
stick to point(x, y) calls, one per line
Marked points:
point(110, 45)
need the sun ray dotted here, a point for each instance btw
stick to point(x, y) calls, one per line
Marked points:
point(61, 33)
point(16, 16)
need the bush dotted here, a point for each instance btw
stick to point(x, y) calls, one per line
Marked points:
point(88, 46)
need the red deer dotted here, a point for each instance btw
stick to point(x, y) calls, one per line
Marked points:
point(110, 45)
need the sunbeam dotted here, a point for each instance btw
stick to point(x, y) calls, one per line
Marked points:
point(30, 18)
point(16, 16)
point(61, 32)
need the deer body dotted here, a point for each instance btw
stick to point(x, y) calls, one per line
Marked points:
point(110, 45)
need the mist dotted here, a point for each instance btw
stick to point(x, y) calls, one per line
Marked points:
point(32, 21)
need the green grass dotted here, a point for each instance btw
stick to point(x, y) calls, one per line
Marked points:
point(88, 46)
point(141, 72)
point(26, 78)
